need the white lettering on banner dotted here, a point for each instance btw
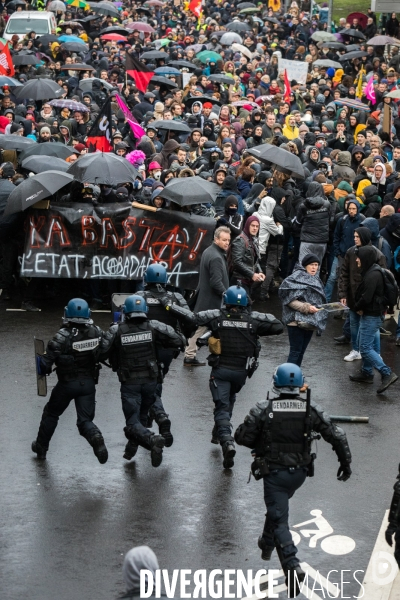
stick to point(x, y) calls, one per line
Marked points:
point(235, 324)
point(136, 338)
point(295, 69)
point(3, 61)
point(289, 405)
point(85, 345)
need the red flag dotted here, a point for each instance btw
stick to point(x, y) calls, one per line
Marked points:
point(100, 134)
point(6, 63)
point(288, 89)
point(195, 7)
point(140, 73)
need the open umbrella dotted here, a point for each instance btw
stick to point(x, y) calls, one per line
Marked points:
point(178, 126)
point(116, 29)
point(325, 62)
point(36, 188)
point(362, 18)
point(356, 104)
point(86, 84)
point(242, 5)
point(103, 167)
point(352, 33)
point(182, 64)
point(269, 19)
point(206, 55)
point(238, 26)
point(70, 38)
point(190, 190)
point(189, 101)
point(159, 80)
point(230, 37)
point(39, 89)
point(382, 40)
point(323, 36)
point(248, 102)
point(77, 3)
point(105, 8)
point(38, 164)
point(15, 142)
point(46, 39)
point(250, 11)
point(352, 47)
point(71, 104)
point(24, 59)
point(195, 47)
point(56, 5)
point(78, 67)
point(167, 71)
point(74, 47)
point(154, 55)
point(351, 55)
point(394, 94)
point(245, 51)
point(47, 149)
point(113, 37)
point(221, 78)
point(286, 161)
point(154, 3)
point(4, 80)
point(140, 26)
point(333, 45)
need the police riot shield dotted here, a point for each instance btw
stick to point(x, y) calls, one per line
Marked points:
point(41, 379)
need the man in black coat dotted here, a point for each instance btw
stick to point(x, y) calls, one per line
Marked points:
point(213, 282)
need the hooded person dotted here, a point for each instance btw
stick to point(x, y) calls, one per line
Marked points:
point(165, 157)
point(290, 130)
point(269, 260)
point(341, 192)
point(391, 233)
point(229, 187)
point(313, 221)
point(357, 156)
point(313, 157)
point(245, 256)
point(65, 133)
point(372, 201)
point(231, 217)
point(343, 170)
point(377, 240)
point(137, 559)
point(379, 178)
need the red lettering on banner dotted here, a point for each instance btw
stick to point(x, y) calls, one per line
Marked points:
point(89, 234)
point(57, 228)
point(108, 231)
point(169, 246)
point(197, 243)
point(130, 236)
point(151, 227)
point(34, 228)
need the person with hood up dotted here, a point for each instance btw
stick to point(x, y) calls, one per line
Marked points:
point(166, 156)
point(377, 240)
point(370, 305)
point(229, 188)
point(269, 259)
point(379, 178)
point(313, 221)
point(245, 256)
point(391, 232)
point(231, 217)
point(137, 559)
point(393, 198)
point(343, 170)
point(65, 133)
point(372, 201)
point(357, 156)
point(313, 157)
point(343, 239)
point(290, 130)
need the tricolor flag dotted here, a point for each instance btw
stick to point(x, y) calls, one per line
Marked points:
point(369, 91)
point(6, 63)
point(140, 73)
point(100, 134)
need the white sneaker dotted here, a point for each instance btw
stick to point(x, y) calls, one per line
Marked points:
point(353, 355)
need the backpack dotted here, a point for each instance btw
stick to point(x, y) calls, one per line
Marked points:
point(391, 290)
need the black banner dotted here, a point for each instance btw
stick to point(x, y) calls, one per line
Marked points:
point(114, 242)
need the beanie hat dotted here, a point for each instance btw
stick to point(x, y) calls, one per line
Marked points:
point(310, 258)
point(303, 127)
point(159, 107)
point(320, 99)
point(45, 129)
point(79, 147)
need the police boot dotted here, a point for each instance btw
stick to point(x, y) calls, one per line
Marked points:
point(228, 450)
point(130, 449)
point(294, 577)
point(99, 448)
point(214, 435)
point(157, 443)
point(164, 427)
point(266, 551)
point(40, 450)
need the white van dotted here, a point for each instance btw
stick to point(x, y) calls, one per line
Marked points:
point(23, 22)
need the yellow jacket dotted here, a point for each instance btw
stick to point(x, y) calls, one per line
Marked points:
point(290, 132)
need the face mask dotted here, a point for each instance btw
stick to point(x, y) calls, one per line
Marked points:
point(157, 175)
point(231, 211)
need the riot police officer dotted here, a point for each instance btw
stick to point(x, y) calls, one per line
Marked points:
point(160, 302)
point(234, 352)
point(76, 350)
point(133, 356)
point(393, 527)
point(280, 431)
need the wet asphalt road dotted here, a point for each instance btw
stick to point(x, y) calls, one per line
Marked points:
point(65, 523)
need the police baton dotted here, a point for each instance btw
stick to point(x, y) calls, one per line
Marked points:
point(348, 419)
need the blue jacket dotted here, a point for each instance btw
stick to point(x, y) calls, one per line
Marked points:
point(343, 238)
point(244, 187)
point(377, 240)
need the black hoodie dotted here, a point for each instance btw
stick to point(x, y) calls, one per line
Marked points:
point(369, 295)
point(313, 216)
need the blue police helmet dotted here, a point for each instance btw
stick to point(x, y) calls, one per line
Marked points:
point(236, 295)
point(156, 274)
point(288, 376)
point(77, 311)
point(135, 306)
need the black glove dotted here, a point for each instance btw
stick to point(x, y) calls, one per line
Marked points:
point(165, 301)
point(344, 472)
point(391, 529)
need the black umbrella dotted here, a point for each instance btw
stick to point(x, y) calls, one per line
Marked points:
point(154, 55)
point(116, 29)
point(103, 167)
point(222, 79)
point(238, 26)
point(78, 67)
point(88, 18)
point(47, 149)
point(245, 5)
point(190, 190)
point(105, 8)
point(38, 164)
point(352, 47)
point(45, 39)
point(25, 59)
point(39, 89)
point(182, 64)
point(74, 47)
point(286, 161)
point(15, 142)
point(158, 79)
point(351, 55)
point(333, 45)
point(172, 126)
point(202, 99)
point(353, 33)
point(271, 20)
point(36, 188)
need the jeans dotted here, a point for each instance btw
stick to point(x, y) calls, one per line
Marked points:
point(333, 275)
point(354, 329)
point(299, 340)
point(369, 327)
point(279, 487)
point(224, 385)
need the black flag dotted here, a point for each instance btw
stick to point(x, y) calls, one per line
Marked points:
point(100, 134)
